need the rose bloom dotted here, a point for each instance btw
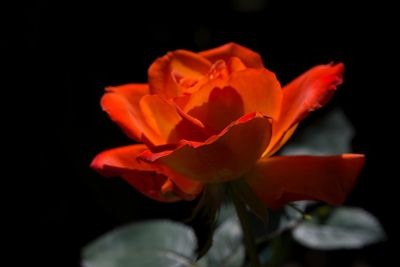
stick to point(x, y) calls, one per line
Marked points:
point(218, 116)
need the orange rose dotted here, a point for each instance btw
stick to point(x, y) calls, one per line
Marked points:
point(217, 116)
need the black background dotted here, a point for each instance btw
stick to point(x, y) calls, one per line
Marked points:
point(61, 54)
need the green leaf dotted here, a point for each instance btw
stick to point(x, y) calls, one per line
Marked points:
point(330, 135)
point(227, 249)
point(146, 244)
point(343, 228)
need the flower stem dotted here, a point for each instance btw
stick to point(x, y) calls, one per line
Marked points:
point(249, 239)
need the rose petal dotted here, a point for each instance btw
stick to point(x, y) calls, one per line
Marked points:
point(163, 117)
point(149, 118)
point(235, 64)
point(123, 162)
point(221, 158)
point(224, 106)
point(165, 71)
point(250, 58)
point(307, 93)
point(223, 100)
point(259, 89)
point(279, 180)
point(281, 142)
point(122, 105)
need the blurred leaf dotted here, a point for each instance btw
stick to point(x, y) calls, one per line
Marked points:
point(227, 249)
point(153, 243)
point(226, 211)
point(331, 135)
point(293, 216)
point(286, 219)
point(343, 228)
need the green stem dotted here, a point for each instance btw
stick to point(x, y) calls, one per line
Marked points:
point(249, 239)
